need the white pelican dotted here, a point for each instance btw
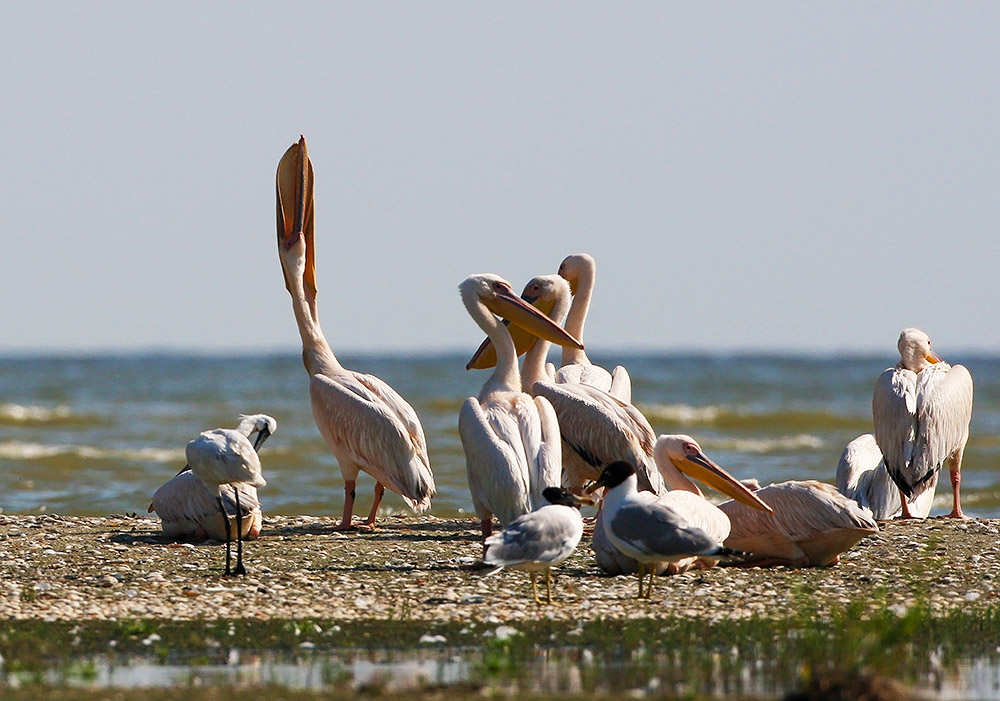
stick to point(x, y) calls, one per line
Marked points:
point(188, 509)
point(811, 526)
point(922, 409)
point(511, 440)
point(540, 539)
point(579, 271)
point(678, 456)
point(861, 476)
point(225, 456)
point(366, 424)
point(644, 528)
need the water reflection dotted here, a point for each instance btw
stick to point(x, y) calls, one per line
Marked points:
point(566, 672)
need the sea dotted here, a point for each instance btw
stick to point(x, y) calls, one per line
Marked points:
point(95, 435)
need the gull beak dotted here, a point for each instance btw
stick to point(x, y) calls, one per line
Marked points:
point(485, 356)
point(585, 500)
point(700, 467)
point(593, 486)
point(294, 190)
point(509, 306)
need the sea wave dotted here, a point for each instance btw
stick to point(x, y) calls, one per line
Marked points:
point(18, 450)
point(802, 441)
point(20, 414)
point(744, 418)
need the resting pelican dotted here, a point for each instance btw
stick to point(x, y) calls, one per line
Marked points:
point(861, 476)
point(540, 539)
point(579, 270)
point(644, 528)
point(225, 456)
point(366, 424)
point(511, 440)
point(676, 457)
point(187, 509)
point(811, 526)
point(922, 409)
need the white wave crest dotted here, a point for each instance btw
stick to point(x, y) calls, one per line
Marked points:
point(33, 414)
point(17, 450)
point(770, 445)
point(681, 413)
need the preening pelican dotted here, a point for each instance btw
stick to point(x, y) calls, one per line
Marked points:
point(579, 271)
point(511, 440)
point(226, 456)
point(861, 476)
point(366, 424)
point(922, 409)
point(677, 457)
point(538, 540)
point(644, 528)
point(189, 509)
point(811, 526)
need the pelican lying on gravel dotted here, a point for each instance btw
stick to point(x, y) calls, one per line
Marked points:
point(540, 539)
point(189, 509)
point(811, 526)
point(645, 529)
point(861, 476)
point(366, 424)
point(225, 456)
point(922, 409)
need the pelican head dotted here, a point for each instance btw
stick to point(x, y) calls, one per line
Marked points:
point(550, 294)
point(915, 350)
point(496, 294)
point(294, 193)
point(574, 266)
point(684, 453)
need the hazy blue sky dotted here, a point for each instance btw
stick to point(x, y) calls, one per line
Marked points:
point(788, 176)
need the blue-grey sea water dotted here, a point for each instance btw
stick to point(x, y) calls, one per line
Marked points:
point(96, 435)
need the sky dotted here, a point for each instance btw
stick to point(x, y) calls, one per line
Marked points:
point(758, 176)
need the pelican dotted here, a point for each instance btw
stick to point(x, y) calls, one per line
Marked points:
point(187, 509)
point(226, 456)
point(861, 476)
point(511, 440)
point(366, 424)
point(644, 528)
point(922, 409)
point(811, 526)
point(579, 271)
point(538, 540)
point(676, 457)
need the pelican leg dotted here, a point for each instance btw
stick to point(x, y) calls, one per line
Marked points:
point(239, 569)
point(225, 521)
point(955, 474)
point(905, 514)
point(348, 517)
point(379, 491)
point(486, 526)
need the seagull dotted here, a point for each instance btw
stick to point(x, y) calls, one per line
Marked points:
point(646, 529)
point(226, 456)
point(539, 539)
point(187, 509)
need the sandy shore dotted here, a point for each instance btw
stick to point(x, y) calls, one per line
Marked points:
point(421, 568)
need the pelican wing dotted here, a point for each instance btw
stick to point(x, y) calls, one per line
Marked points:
point(654, 530)
point(547, 535)
point(600, 429)
point(373, 433)
point(894, 411)
point(944, 410)
point(621, 384)
point(495, 461)
point(585, 374)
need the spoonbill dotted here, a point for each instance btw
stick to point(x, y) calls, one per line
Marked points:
point(861, 476)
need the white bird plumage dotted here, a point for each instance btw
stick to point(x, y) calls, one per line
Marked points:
point(921, 410)
point(367, 425)
point(540, 539)
point(189, 509)
point(861, 476)
point(511, 440)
